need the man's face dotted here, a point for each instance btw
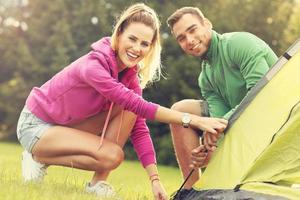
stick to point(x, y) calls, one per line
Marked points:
point(192, 36)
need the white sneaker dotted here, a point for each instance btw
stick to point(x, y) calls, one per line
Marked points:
point(32, 170)
point(102, 189)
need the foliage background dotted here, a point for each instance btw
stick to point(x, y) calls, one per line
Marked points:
point(38, 38)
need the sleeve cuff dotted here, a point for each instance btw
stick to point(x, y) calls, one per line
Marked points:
point(147, 160)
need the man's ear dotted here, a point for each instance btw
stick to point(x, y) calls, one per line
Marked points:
point(207, 23)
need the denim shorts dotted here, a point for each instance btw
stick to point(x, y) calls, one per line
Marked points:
point(30, 129)
point(204, 108)
point(204, 113)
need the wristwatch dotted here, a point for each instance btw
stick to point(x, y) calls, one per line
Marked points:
point(186, 120)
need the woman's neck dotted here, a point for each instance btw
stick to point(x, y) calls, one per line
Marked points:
point(121, 65)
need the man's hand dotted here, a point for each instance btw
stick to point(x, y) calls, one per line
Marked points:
point(200, 156)
point(210, 140)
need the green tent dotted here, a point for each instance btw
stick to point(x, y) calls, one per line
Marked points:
point(260, 153)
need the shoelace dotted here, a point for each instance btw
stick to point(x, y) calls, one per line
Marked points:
point(106, 184)
point(109, 190)
point(42, 171)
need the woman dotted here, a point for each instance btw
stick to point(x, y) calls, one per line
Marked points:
point(64, 121)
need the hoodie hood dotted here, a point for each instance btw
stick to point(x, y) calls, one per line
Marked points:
point(103, 46)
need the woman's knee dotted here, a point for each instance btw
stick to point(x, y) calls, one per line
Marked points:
point(113, 156)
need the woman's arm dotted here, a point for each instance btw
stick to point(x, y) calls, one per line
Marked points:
point(212, 125)
point(143, 146)
point(158, 190)
point(96, 75)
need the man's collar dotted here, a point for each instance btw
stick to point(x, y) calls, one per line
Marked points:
point(212, 47)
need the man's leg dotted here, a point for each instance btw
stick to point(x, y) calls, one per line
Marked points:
point(186, 139)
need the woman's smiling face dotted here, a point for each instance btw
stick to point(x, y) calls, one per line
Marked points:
point(134, 43)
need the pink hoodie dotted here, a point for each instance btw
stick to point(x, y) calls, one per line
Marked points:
point(87, 87)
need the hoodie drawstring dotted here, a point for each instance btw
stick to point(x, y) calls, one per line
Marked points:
point(106, 124)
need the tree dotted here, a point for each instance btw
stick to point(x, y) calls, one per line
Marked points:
point(292, 31)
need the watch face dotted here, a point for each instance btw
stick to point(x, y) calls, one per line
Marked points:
point(186, 119)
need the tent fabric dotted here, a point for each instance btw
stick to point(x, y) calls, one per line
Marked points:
point(229, 195)
point(261, 148)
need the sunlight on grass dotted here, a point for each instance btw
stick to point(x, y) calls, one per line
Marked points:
point(130, 180)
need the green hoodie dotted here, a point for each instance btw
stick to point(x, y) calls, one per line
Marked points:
point(233, 64)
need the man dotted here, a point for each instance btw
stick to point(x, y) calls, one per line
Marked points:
point(232, 63)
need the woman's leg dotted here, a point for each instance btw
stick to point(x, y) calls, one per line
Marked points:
point(77, 146)
point(128, 121)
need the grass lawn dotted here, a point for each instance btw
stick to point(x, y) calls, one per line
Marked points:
point(130, 180)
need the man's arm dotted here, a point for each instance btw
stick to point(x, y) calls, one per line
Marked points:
point(253, 57)
point(217, 105)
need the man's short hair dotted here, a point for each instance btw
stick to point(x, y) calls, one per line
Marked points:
point(182, 11)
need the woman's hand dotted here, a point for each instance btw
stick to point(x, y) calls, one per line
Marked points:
point(208, 124)
point(158, 190)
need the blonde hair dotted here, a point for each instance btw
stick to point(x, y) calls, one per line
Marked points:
point(150, 66)
point(175, 17)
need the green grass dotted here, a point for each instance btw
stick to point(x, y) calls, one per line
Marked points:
point(129, 179)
